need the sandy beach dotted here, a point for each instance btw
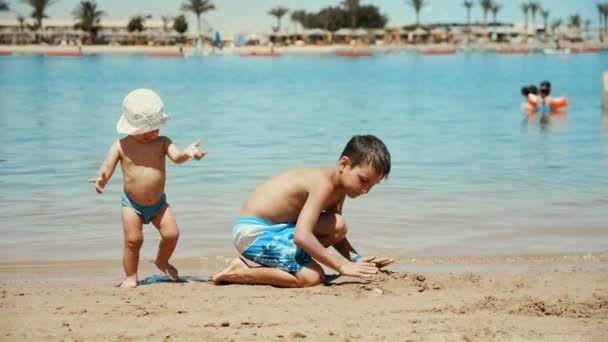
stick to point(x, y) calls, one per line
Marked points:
point(548, 298)
point(474, 194)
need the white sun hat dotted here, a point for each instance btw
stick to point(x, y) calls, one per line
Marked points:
point(142, 111)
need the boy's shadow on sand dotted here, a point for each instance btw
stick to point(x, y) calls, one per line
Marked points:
point(338, 280)
point(330, 280)
point(157, 279)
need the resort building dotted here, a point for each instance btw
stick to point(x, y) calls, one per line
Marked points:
point(157, 32)
point(112, 31)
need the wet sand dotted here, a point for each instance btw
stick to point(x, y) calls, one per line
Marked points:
point(522, 298)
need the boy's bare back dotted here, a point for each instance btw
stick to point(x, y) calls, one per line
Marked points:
point(281, 198)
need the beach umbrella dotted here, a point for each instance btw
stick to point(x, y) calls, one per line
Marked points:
point(343, 32)
point(438, 30)
point(420, 32)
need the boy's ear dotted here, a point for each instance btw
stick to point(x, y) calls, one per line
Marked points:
point(344, 162)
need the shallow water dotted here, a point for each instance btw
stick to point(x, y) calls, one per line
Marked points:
point(470, 176)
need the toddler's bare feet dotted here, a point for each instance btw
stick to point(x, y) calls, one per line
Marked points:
point(167, 269)
point(129, 282)
point(230, 273)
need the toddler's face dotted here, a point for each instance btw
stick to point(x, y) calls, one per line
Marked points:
point(359, 180)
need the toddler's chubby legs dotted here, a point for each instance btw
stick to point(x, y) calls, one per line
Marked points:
point(133, 239)
point(330, 230)
point(167, 227)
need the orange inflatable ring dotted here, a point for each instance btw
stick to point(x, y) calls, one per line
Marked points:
point(555, 104)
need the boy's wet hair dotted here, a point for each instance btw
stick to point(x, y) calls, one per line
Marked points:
point(368, 149)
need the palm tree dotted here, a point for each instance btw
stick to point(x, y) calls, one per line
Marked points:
point(198, 7)
point(180, 24)
point(534, 7)
point(600, 12)
point(330, 19)
point(166, 20)
point(88, 17)
point(575, 21)
point(603, 9)
point(605, 16)
point(4, 6)
point(495, 9)
point(38, 12)
point(545, 14)
point(299, 17)
point(418, 4)
point(486, 6)
point(352, 6)
point(555, 33)
point(137, 23)
point(525, 7)
point(278, 12)
point(21, 20)
point(556, 24)
point(587, 27)
point(468, 4)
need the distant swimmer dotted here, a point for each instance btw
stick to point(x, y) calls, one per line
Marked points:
point(544, 103)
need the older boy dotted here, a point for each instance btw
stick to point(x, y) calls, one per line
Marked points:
point(142, 158)
point(293, 217)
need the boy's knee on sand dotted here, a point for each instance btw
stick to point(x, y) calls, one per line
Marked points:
point(313, 275)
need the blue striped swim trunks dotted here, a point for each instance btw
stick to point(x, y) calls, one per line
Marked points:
point(269, 244)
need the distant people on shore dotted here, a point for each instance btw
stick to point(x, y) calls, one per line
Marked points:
point(217, 42)
point(271, 43)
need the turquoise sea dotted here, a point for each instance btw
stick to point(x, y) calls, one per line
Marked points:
point(470, 175)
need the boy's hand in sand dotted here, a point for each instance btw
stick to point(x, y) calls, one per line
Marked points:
point(359, 269)
point(99, 184)
point(194, 152)
point(376, 261)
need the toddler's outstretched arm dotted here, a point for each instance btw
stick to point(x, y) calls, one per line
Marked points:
point(107, 168)
point(191, 151)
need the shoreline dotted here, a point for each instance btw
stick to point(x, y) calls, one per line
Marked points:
point(78, 272)
point(173, 51)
